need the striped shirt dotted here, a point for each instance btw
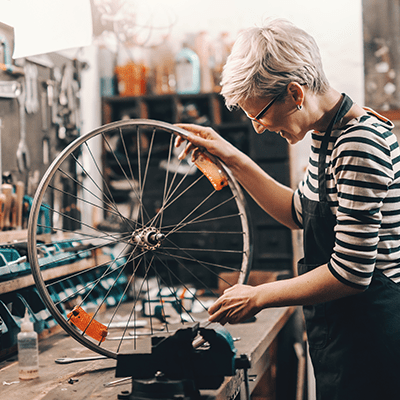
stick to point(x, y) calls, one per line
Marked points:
point(363, 188)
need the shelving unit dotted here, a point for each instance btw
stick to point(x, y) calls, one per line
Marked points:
point(272, 241)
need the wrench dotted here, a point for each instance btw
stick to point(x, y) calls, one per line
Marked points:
point(68, 360)
point(23, 159)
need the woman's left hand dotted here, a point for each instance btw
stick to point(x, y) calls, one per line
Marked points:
point(237, 304)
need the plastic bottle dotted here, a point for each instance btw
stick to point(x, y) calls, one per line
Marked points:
point(28, 350)
point(187, 67)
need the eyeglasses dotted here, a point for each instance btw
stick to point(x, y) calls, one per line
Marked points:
point(263, 111)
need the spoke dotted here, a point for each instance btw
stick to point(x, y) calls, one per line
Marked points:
point(203, 263)
point(185, 286)
point(74, 254)
point(87, 236)
point(95, 267)
point(140, 173)
point(202, 232)
point(205, 250)
point(113, 206)
point(123, 170)
point(74, 219)
point(134, 189)
point(133, 309)
point(197, 221)
point(94, 285)
point(82, 199)
point(166, 179)
point(191, 213)
point(110, 199)
point(166, 205)
point(181, 224)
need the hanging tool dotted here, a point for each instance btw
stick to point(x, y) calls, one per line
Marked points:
point(23, 159)
point(31, 86)
point(45, 125)
point(9, 89)
point(7, 65)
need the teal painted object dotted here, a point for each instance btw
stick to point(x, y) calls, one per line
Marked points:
point(187, 71)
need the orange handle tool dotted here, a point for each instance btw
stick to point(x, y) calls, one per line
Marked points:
point(208, 165)
point(211, 170)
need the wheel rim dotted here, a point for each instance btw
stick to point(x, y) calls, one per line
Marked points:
point(170, 240)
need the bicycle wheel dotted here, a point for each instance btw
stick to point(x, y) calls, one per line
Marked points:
point(128, 241)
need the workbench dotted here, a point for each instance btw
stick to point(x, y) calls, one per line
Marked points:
point(85, 380)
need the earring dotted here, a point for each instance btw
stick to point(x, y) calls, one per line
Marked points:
point(299, 107)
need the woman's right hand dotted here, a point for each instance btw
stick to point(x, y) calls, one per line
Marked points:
point(204, 138)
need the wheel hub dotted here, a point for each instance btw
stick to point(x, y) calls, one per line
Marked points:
point(149, 238)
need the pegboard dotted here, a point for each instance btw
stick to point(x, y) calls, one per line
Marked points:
point(43, 123)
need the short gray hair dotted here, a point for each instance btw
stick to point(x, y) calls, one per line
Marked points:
point(265, 60)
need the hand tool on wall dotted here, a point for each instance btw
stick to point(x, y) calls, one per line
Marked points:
point(9, 89)
point(45, 126)
point(23, 159)
point(7, 66)
point(31, 86)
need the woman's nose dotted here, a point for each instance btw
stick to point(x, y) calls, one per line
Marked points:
point(259, 128)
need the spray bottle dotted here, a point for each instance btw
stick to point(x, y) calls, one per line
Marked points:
point(28, 350)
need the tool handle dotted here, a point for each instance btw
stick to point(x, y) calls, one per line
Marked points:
point(212, 169)
point(209, 165)
point(2, 209)
point(13, 211)
point(19, 192)
point(7, 190)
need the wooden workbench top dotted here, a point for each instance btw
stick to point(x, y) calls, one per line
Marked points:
point(85, 380)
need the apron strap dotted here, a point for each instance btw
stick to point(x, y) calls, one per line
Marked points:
point(342, 111)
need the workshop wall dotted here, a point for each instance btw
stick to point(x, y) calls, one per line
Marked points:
point(337, 27)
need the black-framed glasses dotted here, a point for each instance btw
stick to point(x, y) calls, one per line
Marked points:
point(263, 111)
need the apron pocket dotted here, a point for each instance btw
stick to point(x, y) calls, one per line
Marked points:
point(317, 326)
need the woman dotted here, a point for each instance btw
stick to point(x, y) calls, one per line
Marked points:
point(348, 206)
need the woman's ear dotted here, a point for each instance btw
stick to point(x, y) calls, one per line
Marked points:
point(296, 93)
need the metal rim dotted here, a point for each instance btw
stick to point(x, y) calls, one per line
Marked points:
point(44, 188)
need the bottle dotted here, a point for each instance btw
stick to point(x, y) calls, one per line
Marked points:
point(28, 350)
point(187, 75)
point(204, 49)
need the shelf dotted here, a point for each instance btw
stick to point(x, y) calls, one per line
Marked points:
point(270, 151)
point(52, 273)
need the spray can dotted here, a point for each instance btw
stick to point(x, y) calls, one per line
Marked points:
point(28, 350)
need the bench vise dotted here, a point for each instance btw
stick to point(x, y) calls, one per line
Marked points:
point(181, 363)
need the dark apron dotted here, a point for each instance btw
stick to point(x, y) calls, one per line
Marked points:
point(354, 341)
